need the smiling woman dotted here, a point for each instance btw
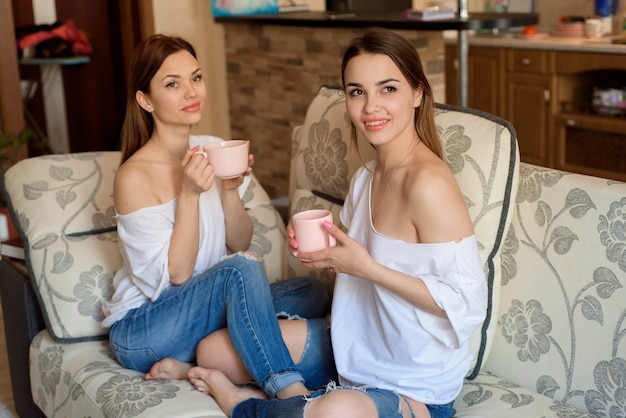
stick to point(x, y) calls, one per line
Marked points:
point(184, 233)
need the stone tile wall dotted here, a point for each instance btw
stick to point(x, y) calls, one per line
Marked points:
point(273, 74)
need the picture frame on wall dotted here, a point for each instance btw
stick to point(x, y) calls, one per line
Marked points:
point(243, 7)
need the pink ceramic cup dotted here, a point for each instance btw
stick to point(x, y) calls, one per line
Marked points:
point(228, 158)
point(310, 233)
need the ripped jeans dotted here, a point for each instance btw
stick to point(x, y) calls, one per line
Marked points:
point(234, 294)
point(388, 405)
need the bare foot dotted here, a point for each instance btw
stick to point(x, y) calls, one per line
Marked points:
point(213, 382)
point(168, 368)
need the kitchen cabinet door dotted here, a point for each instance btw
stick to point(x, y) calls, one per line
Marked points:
point(485, 78)
point(528, 108)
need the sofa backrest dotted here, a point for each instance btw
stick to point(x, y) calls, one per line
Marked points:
point(480, 149)
point(62, 206)
point(562, 322)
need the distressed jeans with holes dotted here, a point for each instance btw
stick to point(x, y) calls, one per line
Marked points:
point(233, 293)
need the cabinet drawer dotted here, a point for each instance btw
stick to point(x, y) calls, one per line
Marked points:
point(578, 62)
point(528, 61)
point(591, 145)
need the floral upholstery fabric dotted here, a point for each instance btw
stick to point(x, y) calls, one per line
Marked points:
point(480, 149)
point(84, 380)
point(63, 205)
point(562, 321)
point(491, 396)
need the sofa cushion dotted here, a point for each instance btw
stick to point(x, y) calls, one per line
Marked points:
point(489, 396)
point(481, 150)
point(270, 235)
point(84, 380)
point(63, 208)
point(561, 327)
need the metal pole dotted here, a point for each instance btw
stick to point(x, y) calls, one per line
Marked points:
point(462, 57)
point(463, 9)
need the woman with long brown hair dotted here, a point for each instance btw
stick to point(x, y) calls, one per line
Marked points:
point(183, 234)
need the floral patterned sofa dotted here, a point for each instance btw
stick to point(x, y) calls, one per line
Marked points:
point(553, 245)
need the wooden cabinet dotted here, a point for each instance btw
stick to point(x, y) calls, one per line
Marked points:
point(515, 85)
point(591, 145)
point(588, 141)
point(528, 109)
point(547, 96)
point(485, 75)
point(528, 103)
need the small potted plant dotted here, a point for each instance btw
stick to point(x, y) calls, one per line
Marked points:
point(10, 146)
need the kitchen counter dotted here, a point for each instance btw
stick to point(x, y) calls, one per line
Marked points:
point(388, 19)
point(551, 43)
point(548, 89)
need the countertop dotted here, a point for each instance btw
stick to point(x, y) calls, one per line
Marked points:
point(388, 19)
point(552, 43)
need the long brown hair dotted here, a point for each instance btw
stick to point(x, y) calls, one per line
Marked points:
point(147, 59)
point(383, 41)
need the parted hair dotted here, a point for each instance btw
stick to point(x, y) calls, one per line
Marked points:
point(146, 61)
point(386, 42)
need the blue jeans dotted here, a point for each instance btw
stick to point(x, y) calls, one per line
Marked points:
point(388, 405)
point(234, 294)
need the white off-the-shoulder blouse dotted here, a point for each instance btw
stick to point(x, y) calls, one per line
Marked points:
point(380, 339)
point(144, 240)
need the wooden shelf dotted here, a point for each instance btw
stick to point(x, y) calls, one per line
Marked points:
point(587, 109)
point(55, 61)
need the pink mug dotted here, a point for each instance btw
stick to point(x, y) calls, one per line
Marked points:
point(229, 159)
point(310, 232)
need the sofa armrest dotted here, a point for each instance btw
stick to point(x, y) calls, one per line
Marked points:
point(22, 321)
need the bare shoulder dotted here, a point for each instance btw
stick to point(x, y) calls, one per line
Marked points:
point(437, 205)
point(132, 186)
point(430, 179)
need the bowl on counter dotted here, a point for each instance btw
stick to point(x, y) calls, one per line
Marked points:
point(569, 29)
